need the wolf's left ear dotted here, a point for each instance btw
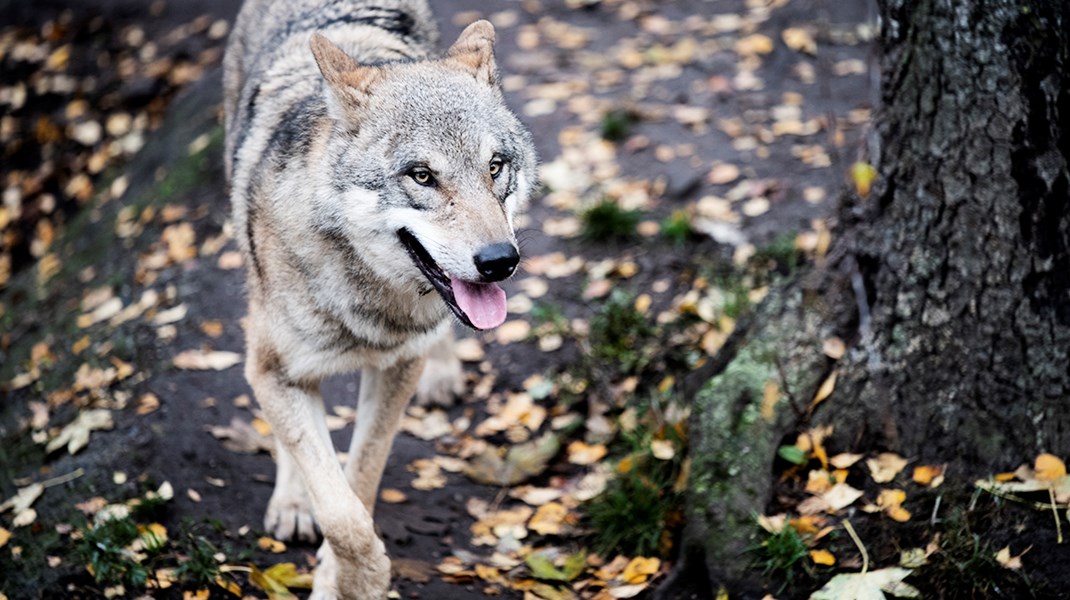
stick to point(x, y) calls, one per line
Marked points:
point(348, 82)
point(473, 52)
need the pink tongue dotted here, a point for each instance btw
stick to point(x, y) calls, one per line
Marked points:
point(483, 303)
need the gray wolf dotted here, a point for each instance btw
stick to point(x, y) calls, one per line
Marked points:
point(374, 185)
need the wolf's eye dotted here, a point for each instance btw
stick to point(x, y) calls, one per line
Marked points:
point(496, 167)
point(422, 176)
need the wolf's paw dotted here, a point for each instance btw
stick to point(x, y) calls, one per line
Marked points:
point(365, 579)
point(289, 517)
point(441, 382)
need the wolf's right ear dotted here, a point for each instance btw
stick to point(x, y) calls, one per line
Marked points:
point(348, 82)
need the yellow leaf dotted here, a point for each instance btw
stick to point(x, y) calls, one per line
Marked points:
point(580, 453)
point(754, 44)
point(1049, 467)
point(271, 545)
point(799, 40)
point(230, 586)
point(549, 519)
point(898, 513)
point(822, 557)
point(886, 466)
point(929, 475)
point(198, 595)
point(392, 496)
point(824, 391)
point(5, 535)
point(640, 569)
point(863, 175)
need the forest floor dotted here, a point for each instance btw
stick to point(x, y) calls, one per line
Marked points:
point(691, 153)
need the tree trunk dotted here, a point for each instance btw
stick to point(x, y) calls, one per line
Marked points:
point(964, 249)
point(951, 282)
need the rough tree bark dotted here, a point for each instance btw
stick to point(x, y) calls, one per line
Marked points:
point(951, 282)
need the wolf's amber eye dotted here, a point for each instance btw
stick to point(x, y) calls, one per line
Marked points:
point(496, 167)
point(422, 176)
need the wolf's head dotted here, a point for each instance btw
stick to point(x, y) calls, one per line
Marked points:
point(432, 168)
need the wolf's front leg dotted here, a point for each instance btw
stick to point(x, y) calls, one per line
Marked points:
point(356, 565)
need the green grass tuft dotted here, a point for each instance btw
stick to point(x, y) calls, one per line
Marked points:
point(617, 125)
point(622, 337)
point(607, 221)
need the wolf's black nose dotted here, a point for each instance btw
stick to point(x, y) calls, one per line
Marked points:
point(497, 261)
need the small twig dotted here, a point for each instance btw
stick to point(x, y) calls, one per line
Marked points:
point(75, 474)
point(1009, 496)
point(232, 568)
point(1055, 513)
point(858, 542)
point(936, 509)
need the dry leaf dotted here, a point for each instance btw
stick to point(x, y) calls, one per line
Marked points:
point(1049, 467)
point(242, 437)
point(392, 496)
point(640, 569)
point(886, 466)
point(822, 557)
point(580, 453)
point(799, 40)
point(871, 585)
point(76, 434)
point(929, 475)
point(271, 545)
point(549, 519)
point(206, 360)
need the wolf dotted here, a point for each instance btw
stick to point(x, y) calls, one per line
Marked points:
point(375, 184)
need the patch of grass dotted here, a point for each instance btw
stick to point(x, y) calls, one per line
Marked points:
point(779, 255)
point(103, 549)
point(780, 555)
point(550, 317)
point(607, 221)
point(621, 336)
point(965, 567)
point(617, 124)
point(677, 227)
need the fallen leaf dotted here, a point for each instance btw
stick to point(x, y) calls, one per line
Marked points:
point(271, 545)
point(5, 535)
point(76, 434)
point(868, 586)
point(415, 570)
point(929, 475)
point(824, 391)
point(886, 466)
point(1004, 558)
point(205, 360)
point(543, 568)
point(1049, 467)
point(799, 40)
point(580, 453)
point(822, 557)
point(278, 579)
point(519, 463)
point(863, 175)
point(845, 460)
point(242, 437)
point(662, 449)
point(549, 519)
point(640, 569)
point(392, 496)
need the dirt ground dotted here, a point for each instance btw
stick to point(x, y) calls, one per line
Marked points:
point(727, 100)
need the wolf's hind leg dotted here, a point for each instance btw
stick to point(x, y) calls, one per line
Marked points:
point(384, 394)
point(443, 377)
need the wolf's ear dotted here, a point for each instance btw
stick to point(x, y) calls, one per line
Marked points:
point(347, 81)
point(473, 52)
